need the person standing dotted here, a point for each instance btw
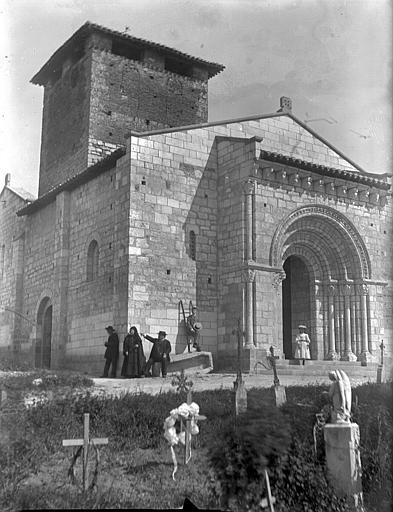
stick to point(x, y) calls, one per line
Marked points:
point(134, 358)
point(193, 328)
point(302, 350)
point(159, 353)
point(111, 352)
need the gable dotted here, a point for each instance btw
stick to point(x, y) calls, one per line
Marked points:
point(285, 135)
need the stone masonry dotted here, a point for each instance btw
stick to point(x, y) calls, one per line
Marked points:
point(257, 219)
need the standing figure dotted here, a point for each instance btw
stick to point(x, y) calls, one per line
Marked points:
point(134, 358)
point(111, 352)
point(159, 353)
point(302, 350)
point(341, 394)
point(193, 328)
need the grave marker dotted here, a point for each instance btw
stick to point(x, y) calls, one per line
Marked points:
point(240, 390)
point(380, 366)
point(279, 391)
point(84, 444)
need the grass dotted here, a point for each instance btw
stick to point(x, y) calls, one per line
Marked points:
point(136, 466)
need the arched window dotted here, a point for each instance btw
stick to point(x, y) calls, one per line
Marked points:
point(192, 245)
point(93, 255)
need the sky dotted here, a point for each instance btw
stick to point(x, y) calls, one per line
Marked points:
point(332, 57)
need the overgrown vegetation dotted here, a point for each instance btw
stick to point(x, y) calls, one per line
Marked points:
point(136, 467)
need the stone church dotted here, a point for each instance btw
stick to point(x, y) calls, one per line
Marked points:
point(143, 203)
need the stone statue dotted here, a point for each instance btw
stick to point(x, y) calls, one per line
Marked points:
point(341, 396)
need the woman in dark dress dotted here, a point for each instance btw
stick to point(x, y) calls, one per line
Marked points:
point(134, 358)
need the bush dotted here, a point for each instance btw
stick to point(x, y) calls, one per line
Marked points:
point(241, 454)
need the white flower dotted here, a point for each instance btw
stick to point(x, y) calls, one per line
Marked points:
point(184, 410)
point(194, 409)
point(37, 382)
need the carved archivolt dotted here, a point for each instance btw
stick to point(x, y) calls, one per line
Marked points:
point(342, 224)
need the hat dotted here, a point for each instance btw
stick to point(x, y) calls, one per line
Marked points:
point(109, 328)
point(302, 327)
point(197, 325)
point(194, 307)
point(162, 332)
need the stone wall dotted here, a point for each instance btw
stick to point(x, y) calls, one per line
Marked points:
point(65, 125)
point(12, 326)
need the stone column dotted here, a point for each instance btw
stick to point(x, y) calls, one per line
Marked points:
point(348, 354)
point(332, 354)
point(249, 189)
point(365, 355)
point(61, 279)
point(343, 461)
point(248, 278)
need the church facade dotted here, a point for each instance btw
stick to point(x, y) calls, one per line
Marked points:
point(143, 203)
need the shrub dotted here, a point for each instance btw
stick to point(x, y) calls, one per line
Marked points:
point(241, 454)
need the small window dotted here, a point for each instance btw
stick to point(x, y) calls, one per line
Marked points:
point(192, 245)
point(92, 261)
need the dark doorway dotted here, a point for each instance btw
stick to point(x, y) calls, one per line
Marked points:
point(47, 338)
point(295, 302)
point(43, 346)
point(287, 311)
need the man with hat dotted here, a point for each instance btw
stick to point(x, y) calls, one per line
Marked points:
point(159, 353)
point(302, 350)
point(193, 328)
point(111, 352)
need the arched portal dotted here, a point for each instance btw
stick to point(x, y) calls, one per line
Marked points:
point(43, 346)
point(326, 265)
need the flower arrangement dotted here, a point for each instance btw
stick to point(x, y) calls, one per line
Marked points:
point(185, 413)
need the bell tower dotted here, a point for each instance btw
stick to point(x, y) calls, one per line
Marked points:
point(100, 84)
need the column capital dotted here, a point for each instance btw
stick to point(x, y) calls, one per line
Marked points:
point(346, 289)
point(362, 289)
point(248, 275)
point(249, 186)
point(278, 278)
point(331, 289)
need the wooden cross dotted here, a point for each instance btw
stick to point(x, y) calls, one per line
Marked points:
point(272, 357)
point(382, 346)
point(269, 500)
point(85, 443)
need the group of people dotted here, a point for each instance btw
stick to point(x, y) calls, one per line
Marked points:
point(134, 362)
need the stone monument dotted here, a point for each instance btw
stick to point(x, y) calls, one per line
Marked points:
point(342, 439)
point(240, 390)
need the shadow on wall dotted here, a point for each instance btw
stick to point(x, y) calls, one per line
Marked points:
point(200, 263)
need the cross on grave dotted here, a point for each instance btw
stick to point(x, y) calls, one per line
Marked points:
point(240, 391)
point(85, 444)
point(279, 391)
point(269, 500)
point(183, 384)
point(382, 346)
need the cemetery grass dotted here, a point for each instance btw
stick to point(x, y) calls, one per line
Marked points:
point(135, 468)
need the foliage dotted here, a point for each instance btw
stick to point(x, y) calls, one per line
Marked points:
point(38, 380)
point(136, 466)
point(243, 451)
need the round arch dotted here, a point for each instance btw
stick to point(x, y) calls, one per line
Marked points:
point(333, 228)
point(324, 247)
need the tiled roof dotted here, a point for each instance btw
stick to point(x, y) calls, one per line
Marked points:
point(88, 28)
point(71, 183)
point(324, 170)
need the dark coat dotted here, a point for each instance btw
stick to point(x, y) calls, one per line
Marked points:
point(112, 347)
point(160, 347)
point(134, 358)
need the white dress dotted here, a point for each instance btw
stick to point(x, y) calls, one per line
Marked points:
point(302, 346)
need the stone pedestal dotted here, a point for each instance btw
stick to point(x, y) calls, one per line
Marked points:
point(240, 397)
point(280, 395)
point(343, 460)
